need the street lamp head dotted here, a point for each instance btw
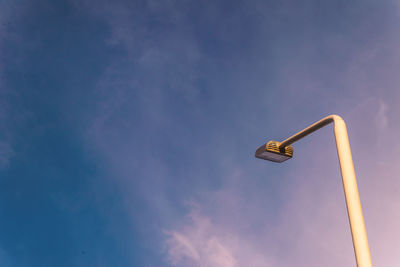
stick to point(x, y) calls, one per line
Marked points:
point(271, 151)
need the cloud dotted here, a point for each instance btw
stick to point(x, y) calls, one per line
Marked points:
point(203, 243)
point(381, 119)
point(306, 234)
point(197, 244)
point(180, 248)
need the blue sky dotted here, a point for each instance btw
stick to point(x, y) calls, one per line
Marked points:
point(128, 131)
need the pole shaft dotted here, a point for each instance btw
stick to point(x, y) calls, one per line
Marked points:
point(358, 231)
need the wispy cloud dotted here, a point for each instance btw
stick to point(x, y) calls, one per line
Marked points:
point(306, 232)
point(201, 242)
point(381, 119)
point(197, 244)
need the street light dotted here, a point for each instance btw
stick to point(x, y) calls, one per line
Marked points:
point(281, 151)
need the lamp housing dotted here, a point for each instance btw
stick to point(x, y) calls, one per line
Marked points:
point(272, 152)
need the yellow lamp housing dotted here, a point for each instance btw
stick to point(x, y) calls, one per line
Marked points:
point(271, 151)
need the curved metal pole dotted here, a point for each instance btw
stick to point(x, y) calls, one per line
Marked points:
point(354, 211)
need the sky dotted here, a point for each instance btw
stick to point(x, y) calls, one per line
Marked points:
point(128, 131)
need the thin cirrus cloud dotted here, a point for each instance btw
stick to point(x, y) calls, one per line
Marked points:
point(196, 245)
point(200, 242)
point(306, 232)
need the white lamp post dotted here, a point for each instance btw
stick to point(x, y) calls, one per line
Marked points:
point(281, 151)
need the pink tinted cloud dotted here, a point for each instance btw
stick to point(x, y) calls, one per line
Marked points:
point(304, 235)
point(202, 242)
